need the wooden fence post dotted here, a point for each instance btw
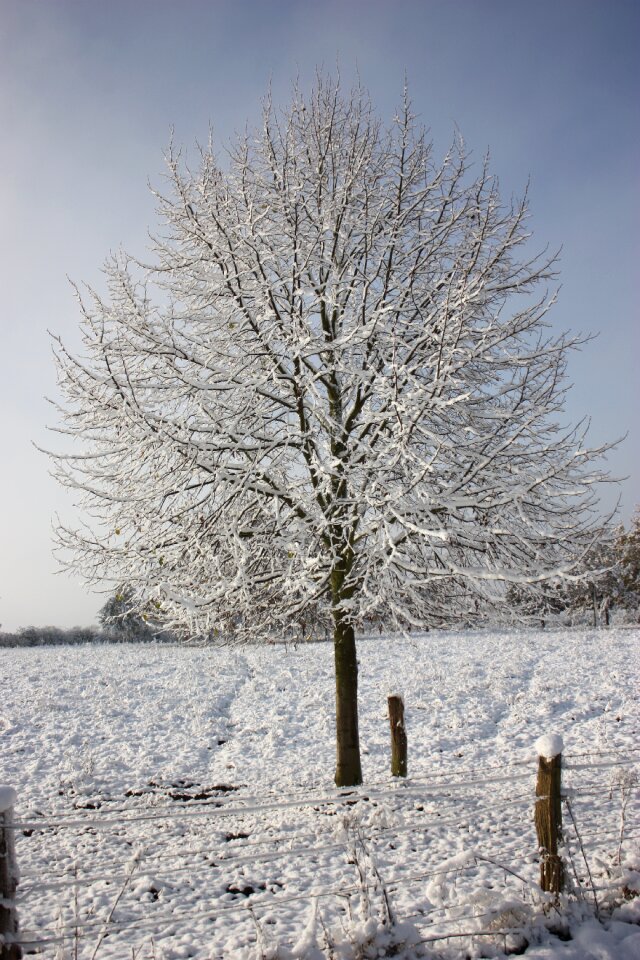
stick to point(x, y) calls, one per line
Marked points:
point(8, 878)
point(398, 736)
point(548, 812)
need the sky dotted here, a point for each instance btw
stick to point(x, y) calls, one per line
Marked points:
point(89, 93)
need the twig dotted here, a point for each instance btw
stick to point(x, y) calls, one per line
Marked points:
point(75, 910)
point(625, 780)
point(134, 863)
point(471, 934)
point(579, 892)
point(584, 855)
point(261, 941)
point(501, 866)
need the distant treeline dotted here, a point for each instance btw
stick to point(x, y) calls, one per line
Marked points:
point(56, 636)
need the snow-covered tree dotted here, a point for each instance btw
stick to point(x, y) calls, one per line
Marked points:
point(608, 576)
point(598, 588)
point(536, 602)
point(333, 389)
point(120, 615)
point(628, 554)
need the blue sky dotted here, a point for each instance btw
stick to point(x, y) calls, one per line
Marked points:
point(89, 91)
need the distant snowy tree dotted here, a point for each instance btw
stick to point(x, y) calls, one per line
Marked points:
point(52, 636)
point(37, 636)
point(333, 389)
point(608, 576)
point(628, 553)
point(120, 616)
point(538, 601)
point(597, 588)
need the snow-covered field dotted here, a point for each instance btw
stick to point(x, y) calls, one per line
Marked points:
point(186, 796)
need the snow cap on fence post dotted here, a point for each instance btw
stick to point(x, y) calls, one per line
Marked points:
point(550, 745)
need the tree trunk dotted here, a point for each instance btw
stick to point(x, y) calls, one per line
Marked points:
point(348, 768)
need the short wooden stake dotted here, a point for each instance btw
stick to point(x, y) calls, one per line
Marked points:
point(548, 819)
point(8, 879)
point(398, 736)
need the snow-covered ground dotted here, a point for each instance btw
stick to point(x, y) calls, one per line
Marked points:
point(186, 796)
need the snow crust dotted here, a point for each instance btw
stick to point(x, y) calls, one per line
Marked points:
point(549, 745)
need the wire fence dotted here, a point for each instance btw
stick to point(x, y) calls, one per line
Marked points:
point(461, 777)
point(104, 819)
point(264, 859)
